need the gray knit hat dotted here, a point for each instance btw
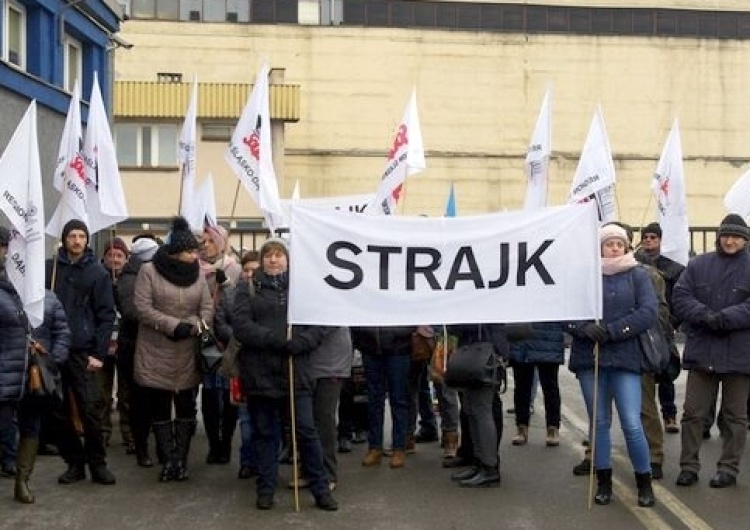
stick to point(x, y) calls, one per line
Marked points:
point(734, 225)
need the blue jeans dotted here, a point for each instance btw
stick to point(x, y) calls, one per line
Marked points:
point(17, 417)
point(265, 415)
point(625, 389)
point(247, 454)
point(387, 373)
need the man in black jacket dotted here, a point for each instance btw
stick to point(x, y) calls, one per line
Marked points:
point(85, 290)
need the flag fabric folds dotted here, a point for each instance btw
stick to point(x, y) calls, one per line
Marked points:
point(405, 158)
point(186, 153)
point(398, 270)
point(250, 155)
point(737, 199)
point(537, 157)
point(594, 179)
point(22, 201)
point(668, 187)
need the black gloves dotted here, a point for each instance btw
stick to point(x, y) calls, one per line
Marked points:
point(221, 277)
point(182, 331)
point(276, 342)
point(714, 321)
point(295, 346)
point(595, 332)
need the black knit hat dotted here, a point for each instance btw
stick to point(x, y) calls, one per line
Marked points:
point(180, 238)
point(75, 224)
point(652, 228)
point(734, 225)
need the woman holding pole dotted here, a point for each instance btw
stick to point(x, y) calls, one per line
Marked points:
point(606, 359)
point(275, 373)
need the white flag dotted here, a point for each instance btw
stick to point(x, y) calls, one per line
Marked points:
point(106, 200)
point(737, 199)
point(295, 191)
point(668, 187)
point(596, 171)
point(201, 211)
point(405, 158)
point(250, 155)
point(70, 172)
point(22, 201)
point(72, 139)
point(187, 157)
point(537, 157)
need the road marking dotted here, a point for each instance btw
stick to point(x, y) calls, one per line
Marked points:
point(647, 516)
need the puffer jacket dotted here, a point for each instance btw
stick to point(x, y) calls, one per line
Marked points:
point(85, 290)
point(53, 334)
point(629, 309)
point(546, 346)
point(260, 323)
point(721, 283)
point(160, 361)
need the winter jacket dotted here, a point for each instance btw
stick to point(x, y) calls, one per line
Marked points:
point(721, 283)
point(85, 290)
point(125, 301)
point(389, 340)
point(260, 324)
point(546, 346)
point(629, 309)
point(160, 361)
point(333, 358)
point(53, 334)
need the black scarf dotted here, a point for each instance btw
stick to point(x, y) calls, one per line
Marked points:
point(175, 271)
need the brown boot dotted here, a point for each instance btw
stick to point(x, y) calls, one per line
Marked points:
point(398, 458)
point(373, 458)
point(27, 448)
point(450, 444)
point(553, 436)
point(522, 436)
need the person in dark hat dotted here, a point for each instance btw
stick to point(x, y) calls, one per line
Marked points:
point(712, 298)
point(649, 253)
point(171, 299)
point(84, 288)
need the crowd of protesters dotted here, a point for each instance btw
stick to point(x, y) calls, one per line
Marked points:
point(135, 316)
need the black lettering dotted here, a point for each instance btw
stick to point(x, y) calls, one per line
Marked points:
point(384, 262)
point(337, 261)
point(504, 268)
point(428, 270)
point(535, 261)
point(473, 274)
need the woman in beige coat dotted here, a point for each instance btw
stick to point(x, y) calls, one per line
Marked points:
point(171, 297)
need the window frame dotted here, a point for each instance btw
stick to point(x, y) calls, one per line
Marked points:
point(154, 148)
point(68, 43)
point(20, 10)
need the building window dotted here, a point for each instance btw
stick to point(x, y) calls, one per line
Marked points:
point(14, 34)
point(147, 145)
point(216, 132)
point(169, 77)
point(73, 62)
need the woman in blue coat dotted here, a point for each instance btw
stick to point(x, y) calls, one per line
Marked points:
point(629, 309)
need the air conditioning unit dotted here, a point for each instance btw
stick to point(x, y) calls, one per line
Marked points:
point(194, 16)
point(232, 16)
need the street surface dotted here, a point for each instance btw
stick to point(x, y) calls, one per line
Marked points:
point(538, 491)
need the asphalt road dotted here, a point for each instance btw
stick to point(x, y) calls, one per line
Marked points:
point(538, 491)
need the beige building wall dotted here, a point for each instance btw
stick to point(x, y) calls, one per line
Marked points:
point(478, 96)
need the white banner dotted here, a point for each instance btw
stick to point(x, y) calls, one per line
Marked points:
point(344, 203)
point(525, 266)
point(186, 154)
point(21, 199)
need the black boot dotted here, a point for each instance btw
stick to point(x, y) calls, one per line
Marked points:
point(645, 491)
point(183, 433)
point(487, 476)
point(604, 486)
point(165, 447)
point(75, 472)
point(458, 476)
point(27, 448)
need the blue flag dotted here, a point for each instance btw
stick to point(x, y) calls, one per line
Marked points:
point(450, 206)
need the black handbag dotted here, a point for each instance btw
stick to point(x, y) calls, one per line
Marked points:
point(209, 351)
point(44, 383)
point(476, 365)
point(655, 351)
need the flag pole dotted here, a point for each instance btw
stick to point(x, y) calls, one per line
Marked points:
point(592, 423)
point(645, 212)
point(293, 422)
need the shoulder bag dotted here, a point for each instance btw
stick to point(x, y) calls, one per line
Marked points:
point(476, 365)
point(208, 351)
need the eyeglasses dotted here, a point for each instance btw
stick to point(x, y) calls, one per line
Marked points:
point(650, 236)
